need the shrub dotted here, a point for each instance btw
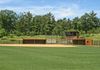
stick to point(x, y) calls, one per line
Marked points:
point(4, 38)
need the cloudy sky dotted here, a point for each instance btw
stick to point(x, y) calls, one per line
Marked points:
point(60, 8)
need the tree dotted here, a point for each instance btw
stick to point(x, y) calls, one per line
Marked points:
point(27, 24)
point(89, 21)
point(2, 32)
point(23, 24)
point(76, 24)
point(49, 23)
point(62, 26)
point(43, 25)
point(7, 20)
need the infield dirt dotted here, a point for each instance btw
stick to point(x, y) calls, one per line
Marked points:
point(37, 45)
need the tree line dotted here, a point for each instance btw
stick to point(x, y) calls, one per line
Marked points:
point(25, 23)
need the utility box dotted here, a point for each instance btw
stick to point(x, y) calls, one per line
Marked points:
point(88, 42)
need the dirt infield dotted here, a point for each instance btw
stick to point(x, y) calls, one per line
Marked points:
point(37, 45)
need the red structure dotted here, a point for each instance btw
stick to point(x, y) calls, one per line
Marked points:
point(74, 37)
point(88, 42)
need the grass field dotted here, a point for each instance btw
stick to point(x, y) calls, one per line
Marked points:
point(78, 58)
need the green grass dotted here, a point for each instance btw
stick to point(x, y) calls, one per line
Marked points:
point(18, 39)
point(92, 36)
point(79, 58)
point(36, 36)
point(96, 36)
point(10, 41)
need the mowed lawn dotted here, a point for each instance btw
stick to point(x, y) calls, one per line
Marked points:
point(78, 58)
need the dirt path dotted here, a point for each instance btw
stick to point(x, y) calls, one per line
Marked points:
point(37, 45)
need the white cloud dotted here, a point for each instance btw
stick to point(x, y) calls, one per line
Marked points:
point(63, 12)
point(4, 1)
point(98, 13)
point(59, 12)
point(69, 12)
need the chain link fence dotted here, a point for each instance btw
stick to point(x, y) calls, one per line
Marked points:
point(96, 42)
point(54, 41)
point(59, 41)
point(71, 42)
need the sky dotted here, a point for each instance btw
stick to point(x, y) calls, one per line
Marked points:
point(59, 8)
